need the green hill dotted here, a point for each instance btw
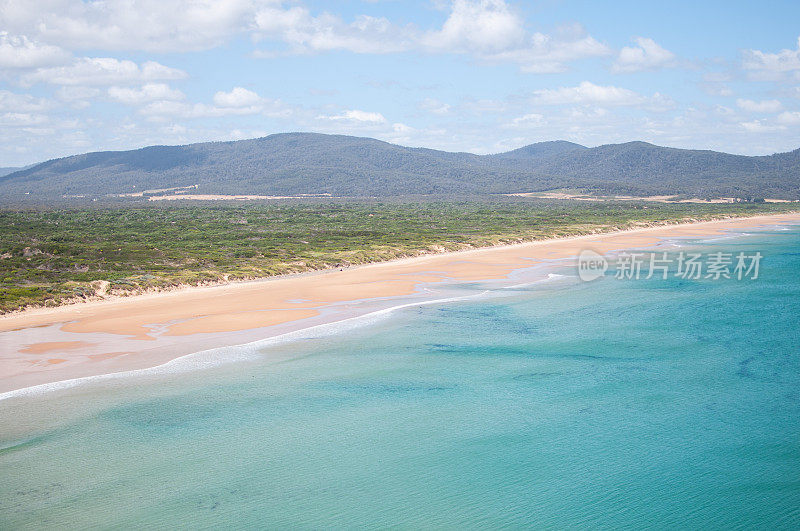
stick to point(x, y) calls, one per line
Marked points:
point(309, 163)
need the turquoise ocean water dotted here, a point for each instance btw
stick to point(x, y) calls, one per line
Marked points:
point(651, 403)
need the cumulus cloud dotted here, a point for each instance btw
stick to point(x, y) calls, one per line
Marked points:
point(305, 33)
point(402, 128)
point(21, 52)
point(789, 118)
point(647, 55)
point(489, 30)
point(10, 101)
point(485, 26)
point(772, 65)
point(163, 109)
point(22, 119)
point(191, 25)
point(486, 29)
point(356, 115)
point(148, 25)
point(238, 102)
point(78, 97)
point(759, 106)
point(548, 54)
point(584, 114)
point(102, 71)
point(145, 93)
point(482, 26)
point(760, 126)
point(434, 106)
point(528, 120)
point(238, 97)
point(588, 93)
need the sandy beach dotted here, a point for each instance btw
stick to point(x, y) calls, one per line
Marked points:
point(48, 345)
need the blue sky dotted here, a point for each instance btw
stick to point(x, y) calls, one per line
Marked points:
point(468, 75)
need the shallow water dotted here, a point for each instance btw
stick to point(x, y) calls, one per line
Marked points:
point(649, 403)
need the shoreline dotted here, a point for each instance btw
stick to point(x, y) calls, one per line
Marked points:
point(207, 358)
point(164, 292)
point(143, 332)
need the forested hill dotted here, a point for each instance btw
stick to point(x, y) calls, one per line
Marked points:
point(9, 169)
point(309, 163)
point(539, 150)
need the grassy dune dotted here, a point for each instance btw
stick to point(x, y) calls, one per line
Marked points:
point(49, 257)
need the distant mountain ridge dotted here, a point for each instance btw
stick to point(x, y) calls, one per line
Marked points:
point(9, 169)
point(312, 163)
point(540, 150)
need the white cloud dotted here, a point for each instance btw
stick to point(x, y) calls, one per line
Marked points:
point(148, 25)
point(21, 52)
point(77, 96)
point(22, 119)
point(648, 55)
point(486, 29)
point(238, 134)
point(175, 129)
point(484, 26)
point(161, 110)
point(237, 102)
point(789, 118)
point(72, 93)
point(434, 106)
point(659, 103)
point(588, 93)
point(103, 71)
point(10, 101)
point(305, 33)
point(528, 120)
point(145, 93)
point(547, 54)
point(356, 116)
point(760, 126)
point(238, 97)
point(274, 21)
point(772, 65)
point(577, 113)
point(759, 106)
point(715, 83)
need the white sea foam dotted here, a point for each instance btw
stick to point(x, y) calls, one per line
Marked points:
point(728, 236)
point(218, 356)
point(550, 278)
point(774, 227)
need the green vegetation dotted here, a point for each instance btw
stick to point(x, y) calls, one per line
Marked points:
point(49, 256)
point(305, 163)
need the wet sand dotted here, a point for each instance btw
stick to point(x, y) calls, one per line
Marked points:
point(48, 345)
